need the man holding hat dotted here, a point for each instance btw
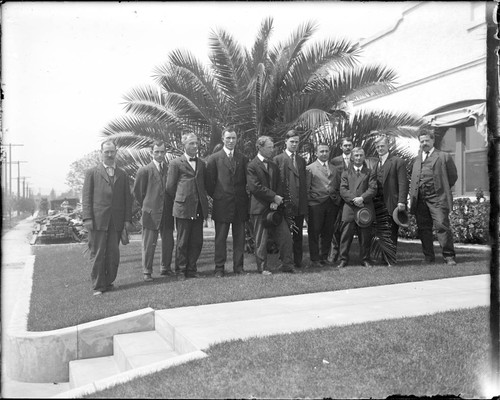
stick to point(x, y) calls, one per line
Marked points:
point(433, 175)
point(392, 185)
point(358, 186)
point(266, 193)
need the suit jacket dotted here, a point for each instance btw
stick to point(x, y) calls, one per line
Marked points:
point(226, 184)
point(263, 185)
point(444, 177)
point(103, 200)
point(339, 162)
point(321, 185)
point(394, 182)
point(149, 191)
point(187, 188)
point(294, 182)
point(352, 186)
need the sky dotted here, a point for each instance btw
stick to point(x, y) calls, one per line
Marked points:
point(66, 66)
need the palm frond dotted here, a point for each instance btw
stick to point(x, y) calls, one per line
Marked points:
point(382, 245)
point(362, 82)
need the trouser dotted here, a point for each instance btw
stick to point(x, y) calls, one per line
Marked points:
point(346, 237)
point(189, 244)
point(221, 233)
point(320, 227)
point(427, 214)
point(104, 256)
point(149, 241)
point(282, 236)
point(335, 247)
point(297, 240)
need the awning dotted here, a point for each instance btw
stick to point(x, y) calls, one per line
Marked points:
point(460, 113)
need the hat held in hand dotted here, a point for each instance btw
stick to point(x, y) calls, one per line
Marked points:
point(271, 218)
point(363, 217)
point(401, 218)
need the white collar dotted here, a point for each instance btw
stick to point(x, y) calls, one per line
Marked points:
point(289, 153)
point(228, 151)
point(261, 157)
point(430, 152)
point(109, 166)
point(383, 159)
point(157, 164)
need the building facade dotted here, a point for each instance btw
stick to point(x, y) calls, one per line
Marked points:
point(438, 50)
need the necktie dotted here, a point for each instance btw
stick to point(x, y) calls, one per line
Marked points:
point(265, 163)
point(231, 159)
point(346, 160)
point(325, 168)
point(293, 160)
point(426, 155)
point(193, 159)
point(358, 171)
point(110, 171)
point(161, 168)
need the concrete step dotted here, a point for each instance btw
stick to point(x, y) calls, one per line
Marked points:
point(133, 350)
point(82, 372)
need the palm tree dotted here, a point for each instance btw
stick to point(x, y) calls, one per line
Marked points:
point(263, 90)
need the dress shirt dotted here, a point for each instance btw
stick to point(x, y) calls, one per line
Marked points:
point(347, 159)
point(424, 156)
point(383, 159)
point(158, 165)
point(192, 163)
point(110, 169)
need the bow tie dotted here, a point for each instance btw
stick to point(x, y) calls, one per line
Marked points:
point(193, 159)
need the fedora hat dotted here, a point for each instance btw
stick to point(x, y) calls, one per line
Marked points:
point(363, 217)
point(272, 218)
point(401, 218)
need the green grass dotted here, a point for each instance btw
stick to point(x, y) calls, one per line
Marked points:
point(62, 293)
point(441, 354)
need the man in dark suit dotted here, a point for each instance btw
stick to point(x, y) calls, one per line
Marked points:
point(433, 175)
point(357, 187)
point(186, 186)
point(293, 175)
point(266, 193)
point(156, 206)
point(323, 189)
point(106, 211)
point(392, 183)
point(344, 160)
point(341, 162)
point(226, 184)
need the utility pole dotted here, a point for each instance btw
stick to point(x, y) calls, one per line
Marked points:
point(9, 180)
point(25, 186)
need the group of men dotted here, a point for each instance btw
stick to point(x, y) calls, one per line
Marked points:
point(276, 195)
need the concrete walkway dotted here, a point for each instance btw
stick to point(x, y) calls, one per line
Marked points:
point(209, 324)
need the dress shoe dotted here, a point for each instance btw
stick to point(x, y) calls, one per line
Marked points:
point(111, 287)
point(265, 272)
point(166, 272)
point(287, 269)
point(367, 264)
point(98, 292)
point(192, 276)
point(343, 264)
point(241, 272)
point(427, 261)
point(315, 264)
point(326, 263)
point(148, 278)
point(219, 273)
point(450, 261)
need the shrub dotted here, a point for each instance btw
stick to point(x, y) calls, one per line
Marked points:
point(469, 222)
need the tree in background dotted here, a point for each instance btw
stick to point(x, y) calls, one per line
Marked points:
point(77, 169)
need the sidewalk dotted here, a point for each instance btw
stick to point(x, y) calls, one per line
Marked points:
point(213, 323)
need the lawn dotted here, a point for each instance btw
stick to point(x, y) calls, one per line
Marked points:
point(445, 354)
point(62, 293)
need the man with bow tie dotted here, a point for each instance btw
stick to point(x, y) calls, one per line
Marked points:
point(106, 211)
point(293, 175)
point(226, 184)
point(266, 193)
point(186, 185)
point(433, 175)
point(323, 189)
point(156, 206)
point(392, 184)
